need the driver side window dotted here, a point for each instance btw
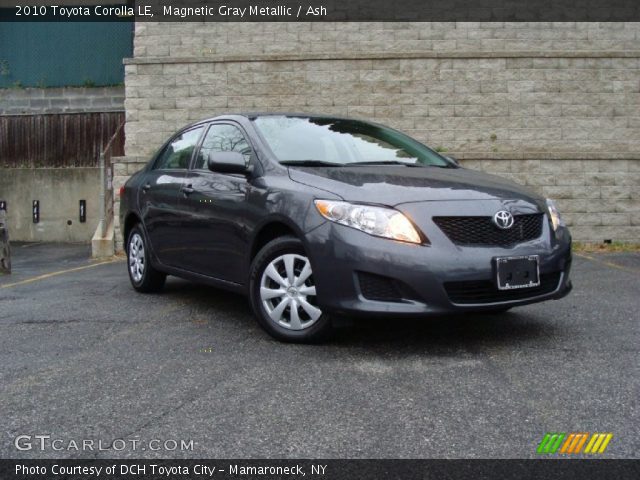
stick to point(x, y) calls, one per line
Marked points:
point(222, 138)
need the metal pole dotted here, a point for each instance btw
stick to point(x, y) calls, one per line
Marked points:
point(103, 213)
point(5, 249)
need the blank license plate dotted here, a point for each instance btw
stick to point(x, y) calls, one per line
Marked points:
point(517, 272)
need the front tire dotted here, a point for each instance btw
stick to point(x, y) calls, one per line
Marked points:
point(144, 278)
point(282, 291)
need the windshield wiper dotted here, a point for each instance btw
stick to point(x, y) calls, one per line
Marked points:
point(387, 162)
point(406, 164)
point(311, 163)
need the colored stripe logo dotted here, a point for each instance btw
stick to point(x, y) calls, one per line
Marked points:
point(573, 443)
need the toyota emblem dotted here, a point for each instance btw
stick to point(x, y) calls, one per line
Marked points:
point(503, 219)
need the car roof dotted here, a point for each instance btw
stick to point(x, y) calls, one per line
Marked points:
point(252, 115)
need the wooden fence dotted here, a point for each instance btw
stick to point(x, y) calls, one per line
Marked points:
point(58, 140)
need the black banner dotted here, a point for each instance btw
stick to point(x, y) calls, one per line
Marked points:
point(328, 11)
point(320, 469)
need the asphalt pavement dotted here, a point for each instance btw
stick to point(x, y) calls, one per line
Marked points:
point(85, 357)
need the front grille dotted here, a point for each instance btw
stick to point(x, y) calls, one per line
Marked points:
point(482, 231)
point(486, 291)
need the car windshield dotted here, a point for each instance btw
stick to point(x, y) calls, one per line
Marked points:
point(317, 141)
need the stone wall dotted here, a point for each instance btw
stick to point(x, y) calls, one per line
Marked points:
point(530, 100)
point(463, 86)
point(176, 39)
point(496, 103)
point(598, 195)
point(17, 101)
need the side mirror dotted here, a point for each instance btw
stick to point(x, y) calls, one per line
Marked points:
point(453, 159)
point(227, 162)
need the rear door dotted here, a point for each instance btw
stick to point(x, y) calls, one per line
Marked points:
point(159, 193)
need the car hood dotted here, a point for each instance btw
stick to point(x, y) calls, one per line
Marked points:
point(395, 185)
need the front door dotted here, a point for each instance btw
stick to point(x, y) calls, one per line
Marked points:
point(215, 211)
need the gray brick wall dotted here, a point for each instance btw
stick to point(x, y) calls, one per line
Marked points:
point(597, 194)
point(202, 39)
point(17, 101)
point(463, 104)
point(561, 94)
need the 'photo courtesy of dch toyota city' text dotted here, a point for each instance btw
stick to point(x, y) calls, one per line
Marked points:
point(328, 240)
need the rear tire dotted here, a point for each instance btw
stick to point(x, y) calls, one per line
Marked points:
point(283, 293)
point(144, 278)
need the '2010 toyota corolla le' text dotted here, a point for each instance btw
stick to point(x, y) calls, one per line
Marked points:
point(314, 217)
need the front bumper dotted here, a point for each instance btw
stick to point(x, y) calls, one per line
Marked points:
point(425, 277)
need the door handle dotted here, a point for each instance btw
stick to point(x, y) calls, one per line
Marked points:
point(145, 188)
point(187, 190)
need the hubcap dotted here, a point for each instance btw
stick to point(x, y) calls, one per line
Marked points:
point(288, 292)
point(136, 257)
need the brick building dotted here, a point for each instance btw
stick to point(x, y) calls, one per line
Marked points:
point(555, 106)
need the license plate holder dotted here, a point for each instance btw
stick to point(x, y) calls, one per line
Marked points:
point(517, 272)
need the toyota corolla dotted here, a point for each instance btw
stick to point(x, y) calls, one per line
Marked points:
point(313, 217)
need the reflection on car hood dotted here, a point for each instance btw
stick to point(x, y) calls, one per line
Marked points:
point(393, 185)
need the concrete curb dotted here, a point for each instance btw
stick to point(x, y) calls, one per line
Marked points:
point(103, 247)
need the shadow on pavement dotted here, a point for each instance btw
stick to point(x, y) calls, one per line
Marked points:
point(423, 334)
point(446, 333)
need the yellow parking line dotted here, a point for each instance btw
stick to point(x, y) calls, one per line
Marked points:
point(608, 264)
point(59, 272)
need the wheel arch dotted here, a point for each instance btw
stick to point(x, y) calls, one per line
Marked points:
point(130, 220)
point(271, 229)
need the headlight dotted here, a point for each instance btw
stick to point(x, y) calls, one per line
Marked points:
point(378, 221)
point(556, 219)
